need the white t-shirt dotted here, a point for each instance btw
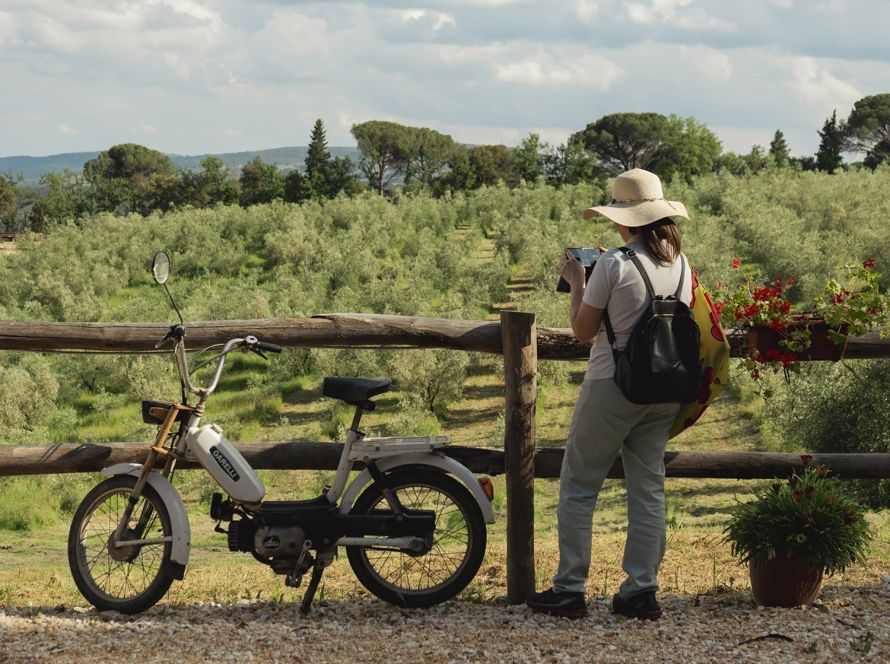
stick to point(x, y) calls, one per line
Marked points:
point(616, 282)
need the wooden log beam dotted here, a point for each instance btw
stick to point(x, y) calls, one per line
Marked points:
point(739, 465)
point(331, 331)
point(299, 455)
point(520, 383)
point(294, 455)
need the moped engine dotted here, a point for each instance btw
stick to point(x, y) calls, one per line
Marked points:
point(279, 542)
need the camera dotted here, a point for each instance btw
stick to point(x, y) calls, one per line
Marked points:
point(587, 257)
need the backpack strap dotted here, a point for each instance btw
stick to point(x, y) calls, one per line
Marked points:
point(682, 276)
point(610, 333)
point(632, 255)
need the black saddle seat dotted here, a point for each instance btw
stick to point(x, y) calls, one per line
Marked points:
point(355, 391)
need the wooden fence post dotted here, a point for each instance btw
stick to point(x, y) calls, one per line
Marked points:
point(519, 335)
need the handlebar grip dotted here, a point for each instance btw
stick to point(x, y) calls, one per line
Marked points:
point(263, 345)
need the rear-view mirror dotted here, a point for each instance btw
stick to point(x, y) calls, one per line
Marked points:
point(160, 267)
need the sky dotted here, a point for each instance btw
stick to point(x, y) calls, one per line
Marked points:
point(198, 76)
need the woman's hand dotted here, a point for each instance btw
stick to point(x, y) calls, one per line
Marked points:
point(571, 270)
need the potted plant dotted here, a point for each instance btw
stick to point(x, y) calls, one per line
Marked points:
point(794, 531)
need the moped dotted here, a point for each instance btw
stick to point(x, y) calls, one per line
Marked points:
point(413, 521)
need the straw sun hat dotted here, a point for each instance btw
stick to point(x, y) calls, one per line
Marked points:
point(637, 200)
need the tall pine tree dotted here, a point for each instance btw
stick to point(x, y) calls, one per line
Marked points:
point(317, 159)
point(829, 158)
point(778, 148)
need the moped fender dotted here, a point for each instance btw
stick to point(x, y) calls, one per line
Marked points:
point(439, 461)
point(179, 520)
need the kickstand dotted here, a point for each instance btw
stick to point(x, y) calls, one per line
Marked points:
point(317, 571)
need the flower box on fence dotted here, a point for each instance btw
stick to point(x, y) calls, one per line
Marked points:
point(767, 340)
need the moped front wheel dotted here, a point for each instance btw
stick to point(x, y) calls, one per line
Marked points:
point(128, 579)
point(412, 579)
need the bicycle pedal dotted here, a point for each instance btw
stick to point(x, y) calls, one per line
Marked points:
point(293, 581)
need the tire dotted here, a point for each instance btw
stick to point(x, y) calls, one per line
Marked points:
point(398, 577)
point(131, 582)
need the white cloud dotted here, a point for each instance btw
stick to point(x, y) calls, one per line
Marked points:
point(8, 34)
point(665, 11)
point(56, 35)
point(484, 3)
point(147, 129)
point(65, 130)
point(560, 68)
point(437, 20)
point(587, 11)
point(817, 85)
point(710, 62)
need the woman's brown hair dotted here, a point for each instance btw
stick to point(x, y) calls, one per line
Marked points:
point(662, 239)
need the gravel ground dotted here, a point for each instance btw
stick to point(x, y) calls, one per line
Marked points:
point(846, 624)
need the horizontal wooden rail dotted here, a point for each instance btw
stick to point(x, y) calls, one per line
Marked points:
point(74, 458)
point(331, 331)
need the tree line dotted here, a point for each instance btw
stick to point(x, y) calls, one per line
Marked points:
point(131, 178)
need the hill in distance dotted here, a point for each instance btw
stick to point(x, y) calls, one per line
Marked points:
point(287, 158)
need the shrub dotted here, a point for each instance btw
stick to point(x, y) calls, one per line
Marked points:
point(844, 407)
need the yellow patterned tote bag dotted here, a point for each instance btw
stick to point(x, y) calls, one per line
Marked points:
point(714, 356)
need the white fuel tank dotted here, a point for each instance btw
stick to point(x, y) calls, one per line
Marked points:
point(220, 458)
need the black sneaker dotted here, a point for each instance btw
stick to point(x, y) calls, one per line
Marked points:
point(643, 606)
point(565, 605)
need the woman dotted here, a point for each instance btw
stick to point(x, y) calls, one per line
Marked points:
point(604, 422)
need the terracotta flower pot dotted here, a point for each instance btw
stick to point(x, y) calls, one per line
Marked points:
point(784, 582)
point(764, 338)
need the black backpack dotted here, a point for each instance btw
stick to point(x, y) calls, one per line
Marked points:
point(660, 363)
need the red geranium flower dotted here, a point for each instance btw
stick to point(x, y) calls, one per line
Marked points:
point(787, 359)
point(869, 264)
point(736, 262)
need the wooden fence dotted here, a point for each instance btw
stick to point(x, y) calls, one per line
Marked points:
point(515, 336)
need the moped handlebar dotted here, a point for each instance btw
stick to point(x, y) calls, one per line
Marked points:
point(265, 345)
point(250, 342)
point(176, 332)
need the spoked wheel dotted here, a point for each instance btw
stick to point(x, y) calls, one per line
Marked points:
point(445, 568)
point(126, 579)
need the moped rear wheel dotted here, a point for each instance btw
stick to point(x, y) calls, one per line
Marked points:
point(125, 579)
point(416, 580)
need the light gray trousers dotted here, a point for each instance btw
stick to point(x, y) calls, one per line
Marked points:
point(605, 423)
